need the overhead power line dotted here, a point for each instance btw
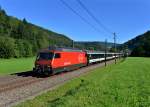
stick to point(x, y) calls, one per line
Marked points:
point(81, 17)
point(93, 16)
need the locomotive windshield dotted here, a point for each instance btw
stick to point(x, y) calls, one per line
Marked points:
point(45, 56)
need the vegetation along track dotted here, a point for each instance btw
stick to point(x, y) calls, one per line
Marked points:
point(28, 86)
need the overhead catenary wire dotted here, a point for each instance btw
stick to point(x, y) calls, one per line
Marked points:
point(98, 22)
point(81, 17)
point(85, 20)
point(94, 17)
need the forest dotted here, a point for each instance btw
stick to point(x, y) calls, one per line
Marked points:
point(23, 39)
point(140, 45)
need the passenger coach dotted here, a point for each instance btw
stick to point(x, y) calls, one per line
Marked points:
point(94, 57)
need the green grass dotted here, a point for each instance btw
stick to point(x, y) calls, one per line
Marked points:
point(9, 66)
point(126, 84)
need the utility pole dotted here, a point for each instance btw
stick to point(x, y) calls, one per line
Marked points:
point(115, 46)
point(72, 44)
point(105, 52)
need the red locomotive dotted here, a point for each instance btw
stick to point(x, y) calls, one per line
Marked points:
point(61, 59)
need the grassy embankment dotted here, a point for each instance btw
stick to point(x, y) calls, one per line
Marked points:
point(126, 84)
point(9, 66)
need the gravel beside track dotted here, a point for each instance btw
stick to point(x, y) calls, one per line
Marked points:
point(5, 79)
point(22, 86)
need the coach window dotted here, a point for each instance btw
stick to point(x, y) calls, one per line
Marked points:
point(57, 55)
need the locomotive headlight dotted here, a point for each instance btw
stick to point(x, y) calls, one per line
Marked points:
point(48, 66)
point(37, 65)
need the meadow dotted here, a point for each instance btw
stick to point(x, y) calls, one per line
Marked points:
point(126, 84)
point(10, 66)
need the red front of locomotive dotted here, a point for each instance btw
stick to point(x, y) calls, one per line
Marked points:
point(43, 63)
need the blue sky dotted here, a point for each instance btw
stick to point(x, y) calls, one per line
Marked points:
point(128, 18)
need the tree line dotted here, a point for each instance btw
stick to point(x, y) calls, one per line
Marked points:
point(140, 45)
point(23, 39)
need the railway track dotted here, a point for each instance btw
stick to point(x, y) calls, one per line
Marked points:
point(18, 83)
point(19, 89)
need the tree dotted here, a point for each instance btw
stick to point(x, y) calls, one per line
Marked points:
point(138, 51)
point(24, 21)
point(7, 47)
point(27, 49)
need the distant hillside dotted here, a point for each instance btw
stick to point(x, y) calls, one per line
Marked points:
point(140, 45)
point(23, 39)
point(94, 45)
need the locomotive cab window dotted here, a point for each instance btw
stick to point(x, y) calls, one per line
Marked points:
point(57, 55)
point(45, 56)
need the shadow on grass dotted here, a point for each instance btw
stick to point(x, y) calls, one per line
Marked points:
point(29, 74)
point(35, 74)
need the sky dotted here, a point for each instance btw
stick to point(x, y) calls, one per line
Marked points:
point(128, 18)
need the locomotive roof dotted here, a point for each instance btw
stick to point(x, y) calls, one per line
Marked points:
point(61, 49)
